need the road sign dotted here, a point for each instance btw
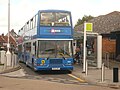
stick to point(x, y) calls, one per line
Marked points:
point(89, 27)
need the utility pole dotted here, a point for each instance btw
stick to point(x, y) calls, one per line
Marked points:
point(8, 45)
point(8, 54)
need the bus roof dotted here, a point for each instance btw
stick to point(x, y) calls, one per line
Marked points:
point(53, 10)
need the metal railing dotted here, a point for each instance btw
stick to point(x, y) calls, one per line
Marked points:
point(107, 57)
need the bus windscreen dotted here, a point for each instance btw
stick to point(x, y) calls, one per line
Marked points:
point(54, 49)
point(55, 19)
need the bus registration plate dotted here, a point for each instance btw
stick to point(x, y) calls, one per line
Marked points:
point(55, 68)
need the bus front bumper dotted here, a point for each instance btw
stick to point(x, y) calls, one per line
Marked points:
point(40, 68)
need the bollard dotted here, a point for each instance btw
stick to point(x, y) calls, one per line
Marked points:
point(12, 55)
point(115, 74)
point(102, 73)
point(86, 71)
point(15, 59)
point(5, 63)
point(108, 66)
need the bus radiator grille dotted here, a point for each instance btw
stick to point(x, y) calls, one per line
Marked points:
point(55, 61)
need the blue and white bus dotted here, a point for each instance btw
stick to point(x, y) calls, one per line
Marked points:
point(45, 41)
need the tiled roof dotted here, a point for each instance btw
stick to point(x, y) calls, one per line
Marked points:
point(104, 23)
point(11, 40)
point(1, 39)
point(5, 39)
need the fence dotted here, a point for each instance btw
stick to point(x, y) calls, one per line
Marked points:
point(14, 60)
point(107, 57)
point(3, 59)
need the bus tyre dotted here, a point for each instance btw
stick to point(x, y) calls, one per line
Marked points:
point(26, 64)
point(69, 71)
point(34, 69)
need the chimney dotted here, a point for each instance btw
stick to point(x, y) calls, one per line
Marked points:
point(12, 30)
point(3, 34)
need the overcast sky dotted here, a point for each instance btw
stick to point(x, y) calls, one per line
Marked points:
point(23, 10)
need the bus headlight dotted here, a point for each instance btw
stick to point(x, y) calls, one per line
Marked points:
point(68, 63)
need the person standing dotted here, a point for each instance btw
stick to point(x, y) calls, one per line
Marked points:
point(77, 55)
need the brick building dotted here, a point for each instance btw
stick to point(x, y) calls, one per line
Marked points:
point(4, 41)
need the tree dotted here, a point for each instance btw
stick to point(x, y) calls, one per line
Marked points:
point(84, 18)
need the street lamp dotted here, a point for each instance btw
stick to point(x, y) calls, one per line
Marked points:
point(8, 54)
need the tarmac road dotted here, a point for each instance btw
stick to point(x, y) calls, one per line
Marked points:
point(7, 83)
point(53, 76)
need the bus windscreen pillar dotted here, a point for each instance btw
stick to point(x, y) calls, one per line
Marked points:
point(99, 51)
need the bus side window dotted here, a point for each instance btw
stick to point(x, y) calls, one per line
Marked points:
point(36, 19)
point(34, 44)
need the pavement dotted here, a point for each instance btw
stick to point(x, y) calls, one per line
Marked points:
point(93, 77)
point(9, 69)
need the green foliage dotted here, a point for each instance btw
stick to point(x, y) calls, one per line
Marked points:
point(84, 18)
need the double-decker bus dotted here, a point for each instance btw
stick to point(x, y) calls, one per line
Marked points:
point(45, 41)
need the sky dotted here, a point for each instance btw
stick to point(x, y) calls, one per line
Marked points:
point(22, 10)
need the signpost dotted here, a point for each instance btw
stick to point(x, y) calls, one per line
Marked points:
point(89, 28)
